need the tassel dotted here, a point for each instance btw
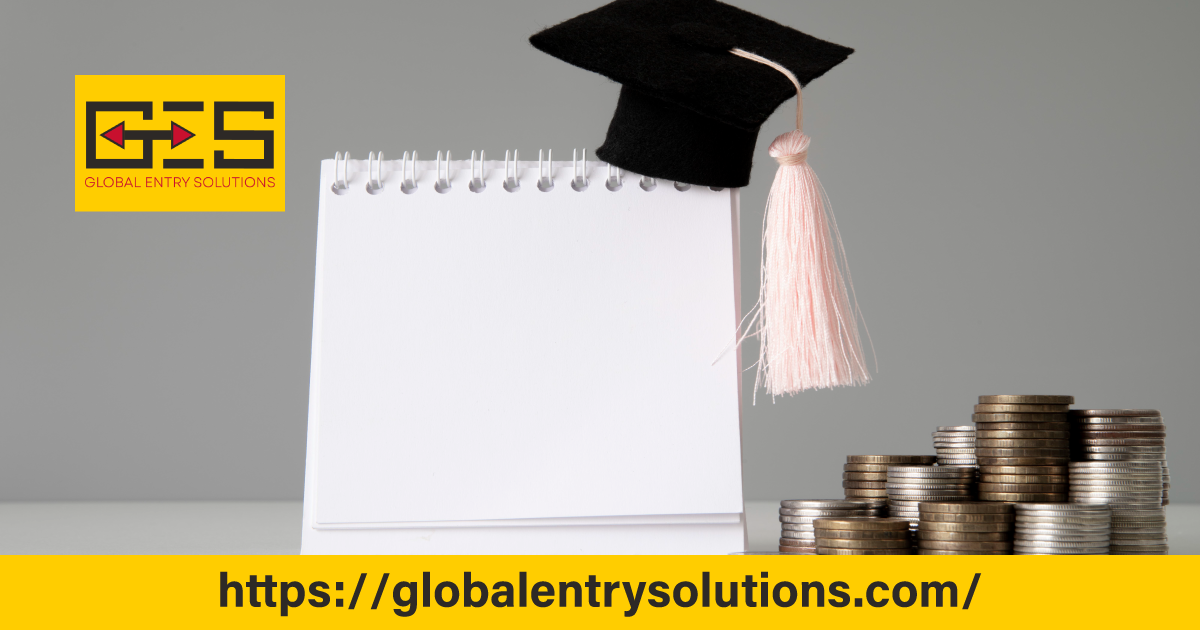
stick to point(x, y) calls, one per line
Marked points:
point(806, 318)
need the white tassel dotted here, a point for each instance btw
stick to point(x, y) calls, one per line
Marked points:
point(806, 318)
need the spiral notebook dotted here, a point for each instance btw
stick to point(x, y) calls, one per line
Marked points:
point(518, 357)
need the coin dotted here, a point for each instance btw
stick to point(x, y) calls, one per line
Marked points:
point(966, 507)
point(1005, 408)
point(826, 551)
point(863, 534)
point(1114, 412)
point(1035, 399)
point(1021, 418)
point(1027, 470)
point(815, 512)
point(990, 478)
point(865, 468)
point(961, 545)
point(876, 543)
point(861, 523)
point(891, 459)
point(822, 504)
point(962, 428)
point(864, 484)
point(1153, 422)
point(947, 517)
point(1057, 444)
point(864, 476)
point(1020, 496)
point(924, 534)
point(965, 527)
point(797, 534)
point(943, 552)
point(986, 424)
point(1020, 461)
point(853, 493)
point(1008, 434)
point(1023, 487)
point(1020, 452)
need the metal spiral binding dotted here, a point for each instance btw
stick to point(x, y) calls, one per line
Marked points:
point(374, 173)
point(339, 182)
point(477, 183)
point(512, 183)
point(409, 176)
point(408, 185)
point(546, 181)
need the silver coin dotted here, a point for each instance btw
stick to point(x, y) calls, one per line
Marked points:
point(798, 535)
point(816, 512)
point(1106, 466)
point(962, 428)
point(1064, 538)
point(1124, 457)
point(1056, 546)
point(1124, 449)
point(1083, 477)
point(822, 504)
point(1051, 509)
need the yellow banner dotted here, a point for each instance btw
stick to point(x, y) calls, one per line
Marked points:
point(179, 143)
point(596, 591)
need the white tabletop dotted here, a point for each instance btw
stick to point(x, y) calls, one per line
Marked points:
point(273, 527)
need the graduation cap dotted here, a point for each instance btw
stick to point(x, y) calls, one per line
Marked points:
point(699, 78)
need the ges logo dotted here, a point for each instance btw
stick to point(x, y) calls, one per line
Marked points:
point(186, 143)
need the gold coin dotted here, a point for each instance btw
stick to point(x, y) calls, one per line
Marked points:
point(862, 485)
point(966, 507)
point(865, 476)
point(1019, 418)
point(1023, 470)
point(865, 468)
point(862, 534)
point(868, 493)
point(877, 543)
point(965, 527)
point(862, 522)
point(1055, 409)
point(1035, 399)
point(1011, 434)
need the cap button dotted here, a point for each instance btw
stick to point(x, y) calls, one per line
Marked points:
point(702, 36)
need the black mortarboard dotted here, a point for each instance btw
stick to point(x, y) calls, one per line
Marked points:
point(689, 111)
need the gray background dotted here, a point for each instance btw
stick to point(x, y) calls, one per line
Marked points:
point(1016, 184)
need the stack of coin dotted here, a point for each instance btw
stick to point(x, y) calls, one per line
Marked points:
point(1120, 435)
point(797, 516)
point(1022, 447)
point(1053, 529)
point(863, 537)
point(965, 529)
point(864, 477)
point(1133, 489)
point(955, 446)
point(908, 486)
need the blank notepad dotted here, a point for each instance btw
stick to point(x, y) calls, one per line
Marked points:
point(522, 355)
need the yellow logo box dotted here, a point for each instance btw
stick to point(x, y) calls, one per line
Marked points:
point(179, 143)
